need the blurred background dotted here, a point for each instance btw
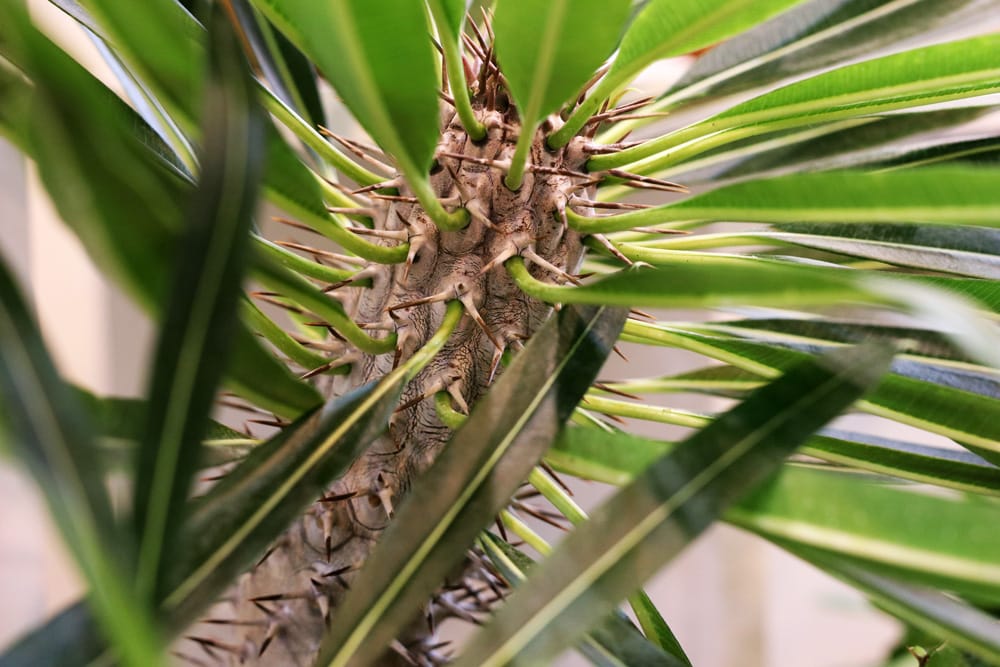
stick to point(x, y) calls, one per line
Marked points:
point(731, 598)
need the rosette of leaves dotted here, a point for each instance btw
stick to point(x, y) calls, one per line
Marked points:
point(817, 187)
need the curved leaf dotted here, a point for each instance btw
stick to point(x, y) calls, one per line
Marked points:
point(931, 74)
point(677, 497)
point(934, 612)
point(391, 91)
point(547, 51)
point(163, 42)
point(667, 28)
point(196, 333)
point(807, 37)
point(718, 280)
point(892, 535)
point(51, 434)
point(966, 417)
point(470, 481)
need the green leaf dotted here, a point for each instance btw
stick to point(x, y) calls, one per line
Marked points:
point(616, 458)
point(966, 417)
point(985, 152)
point(946, 195)
point(196, 333)
point(717, 281)
point(471, 480)
point(863, 141)
point(614, 642)
point(70, 637)
point(229, 528)
point(958, 250)
point(677, 497)
point(52, 436)
point(666, 28)
point(547, 52)
point(391, 91)
point(931, 74)
point(162, 42)
point(124, 207)
point(931, 611)
point(231, 525)
point(449, 17)
point(944, 541)
point(808, 37)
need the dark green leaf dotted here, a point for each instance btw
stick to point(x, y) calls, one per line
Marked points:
point(660, 512)
point(123, 202)
point(471, 480)
point(71, 637)
point(196, 333)
point(51, 434)
point(872, 140)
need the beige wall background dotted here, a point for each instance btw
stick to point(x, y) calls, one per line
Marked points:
point(731, 598)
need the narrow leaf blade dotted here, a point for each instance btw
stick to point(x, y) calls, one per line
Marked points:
point(51, 434)
point(675, 499)
point(192, 350)
point(391, 91)
point(471, 481)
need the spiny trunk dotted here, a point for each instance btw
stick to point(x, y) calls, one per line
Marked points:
point(284, 604)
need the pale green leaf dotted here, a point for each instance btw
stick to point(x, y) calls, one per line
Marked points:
point(955, 70)
point(667, 28)
point(807, 37)
point(941, 615)
point(944, 541)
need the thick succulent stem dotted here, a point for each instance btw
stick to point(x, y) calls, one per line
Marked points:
point(283, 605)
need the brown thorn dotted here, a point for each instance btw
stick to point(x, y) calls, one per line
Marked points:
point(591, 203)
point(338, 497)
point(642, 313)
point(604, 241)
point(399, 198)
point(649, 180)
point(293, 223)
point(392, 183)
point(552, 473)
point(617, 392)
point(188, 659)
point(447, 98)
point(272, 631)
point(619, 352)
point(353, 211)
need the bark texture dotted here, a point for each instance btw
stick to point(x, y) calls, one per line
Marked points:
point(283, 606)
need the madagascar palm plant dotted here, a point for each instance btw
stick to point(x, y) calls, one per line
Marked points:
point(434, 345)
